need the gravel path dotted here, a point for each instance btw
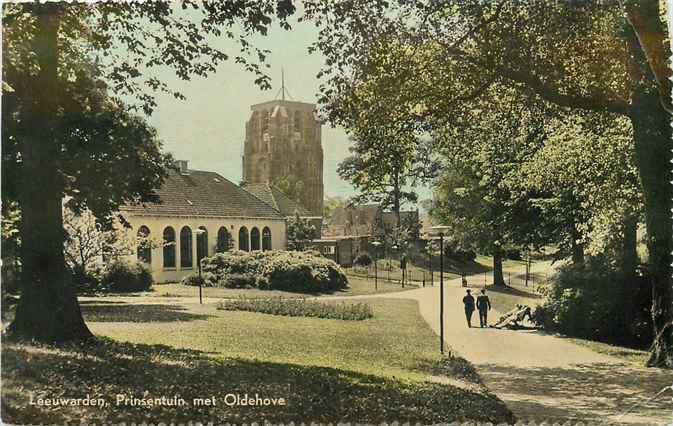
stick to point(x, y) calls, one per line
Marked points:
point(543, 377)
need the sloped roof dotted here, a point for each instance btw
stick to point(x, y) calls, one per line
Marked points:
point(201, 193)
point(277, 199)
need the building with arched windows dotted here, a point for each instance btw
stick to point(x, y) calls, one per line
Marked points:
point(198, 214)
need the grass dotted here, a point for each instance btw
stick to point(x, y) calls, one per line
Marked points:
point(506, 299)
point(300, 308)
point(381, 370)
point(634, 356)
point(357, 286)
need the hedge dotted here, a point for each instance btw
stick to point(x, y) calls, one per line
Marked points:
point(305, 272)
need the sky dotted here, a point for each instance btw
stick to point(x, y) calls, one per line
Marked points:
point(208, 128)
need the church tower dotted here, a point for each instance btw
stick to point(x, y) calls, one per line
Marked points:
point(283, 148)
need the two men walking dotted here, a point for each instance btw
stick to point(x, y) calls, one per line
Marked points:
point(482, 304)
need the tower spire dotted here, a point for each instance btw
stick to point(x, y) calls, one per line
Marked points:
point(283, 90)
point(282, 77)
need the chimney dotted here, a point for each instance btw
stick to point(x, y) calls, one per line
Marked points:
point(183, 166)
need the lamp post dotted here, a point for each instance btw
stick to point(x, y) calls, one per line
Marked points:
point(441, 230)
point(394, 249)
point(199, 232)
point(376, 245)
point(430, 248)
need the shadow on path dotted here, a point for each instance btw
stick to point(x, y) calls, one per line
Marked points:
point(597, 391)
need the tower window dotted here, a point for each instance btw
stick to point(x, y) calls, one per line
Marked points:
point(297, 121)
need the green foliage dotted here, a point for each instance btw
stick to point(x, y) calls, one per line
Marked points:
point(123, 276)
point(193, 280)
point(585, 301)
point(291, 186)
point(300, 232)
point(363, 259)
point(330, 204)
point(11, 222)
point(300, 308)
point(305, 272)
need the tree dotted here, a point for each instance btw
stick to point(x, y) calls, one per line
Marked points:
point(330, 205)
point(543, 46)
point(381, 175)
point(88, 241)
point(60, 128)
point(300, 232)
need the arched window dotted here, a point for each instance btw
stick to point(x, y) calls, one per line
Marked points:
point(254, 239)
point(223, 240)
point(144, 251)
point(243, 239)
point(169, 247)
point(297, 121)
point(265, 121)
point(201, 243)
point(266, 238)
point(186, 247)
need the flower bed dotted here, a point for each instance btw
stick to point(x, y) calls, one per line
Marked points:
point(300, 308)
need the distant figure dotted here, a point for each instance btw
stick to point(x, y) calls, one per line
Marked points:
point(468, 301)
point(403, 267)
point(464, 281)
point(484, 305)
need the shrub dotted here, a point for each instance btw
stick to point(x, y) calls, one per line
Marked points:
point(245, 280)
point(363, 259)
point(513, 254)
point(300, 308)
point(193, 280)
point(465, 255)
point(122, 276)
point(584, 301)
point(88, 280)
point(277, 270)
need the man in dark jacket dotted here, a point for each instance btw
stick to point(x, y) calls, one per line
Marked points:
point(468, 301)
point(484, 305)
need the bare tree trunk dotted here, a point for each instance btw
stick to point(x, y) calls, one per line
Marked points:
point(498, 278)
point(396, 200)
point(48, 309)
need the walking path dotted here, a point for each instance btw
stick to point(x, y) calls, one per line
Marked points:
point(543, 377)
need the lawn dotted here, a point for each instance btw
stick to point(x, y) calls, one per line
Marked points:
point(381, 369)
point(506, 299)
point(357, 286)
point(634, 356)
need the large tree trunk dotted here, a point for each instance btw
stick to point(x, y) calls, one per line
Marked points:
point(626, 290)
point(498, 278)
point(652, 137)
point(48, 309)
point(652, 133)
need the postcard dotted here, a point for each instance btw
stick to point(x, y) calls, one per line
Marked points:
point(331, 212)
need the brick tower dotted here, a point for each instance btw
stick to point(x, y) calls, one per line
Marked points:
point(283, 148)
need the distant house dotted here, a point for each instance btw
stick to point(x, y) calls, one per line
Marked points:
point(362, 220)
point(200, 213)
